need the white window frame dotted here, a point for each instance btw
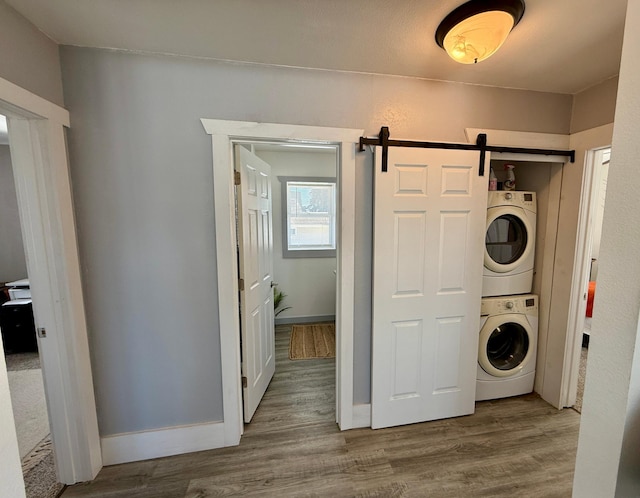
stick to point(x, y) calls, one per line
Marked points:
point(306, 252)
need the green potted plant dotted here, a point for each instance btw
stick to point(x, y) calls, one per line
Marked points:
point(278, 301)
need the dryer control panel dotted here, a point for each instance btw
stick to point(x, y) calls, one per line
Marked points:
point(522, 199)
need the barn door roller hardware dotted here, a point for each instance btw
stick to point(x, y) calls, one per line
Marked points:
point(385, 142)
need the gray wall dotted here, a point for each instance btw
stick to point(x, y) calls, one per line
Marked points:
point(363, 263)
point(13, 265)
point(141, 171)
point(594, 106)
point(27, 57)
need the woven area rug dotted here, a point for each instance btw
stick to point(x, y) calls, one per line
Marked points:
point(314, 340)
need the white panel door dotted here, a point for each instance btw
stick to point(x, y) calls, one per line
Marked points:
point(429, 224)
point(255, 234)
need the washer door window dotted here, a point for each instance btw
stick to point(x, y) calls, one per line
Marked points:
point(505, 345)
point(507, 240)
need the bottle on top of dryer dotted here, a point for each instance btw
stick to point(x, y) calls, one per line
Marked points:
point(493, 181)
point(510, 182)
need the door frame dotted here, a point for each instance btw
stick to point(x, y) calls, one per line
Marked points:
point(595, 142)
point(223, 134)
point(556, 385)
point(578, 302)
point(41, 172)
point(549, 372)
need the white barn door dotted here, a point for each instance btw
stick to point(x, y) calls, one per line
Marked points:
point(255, 233)
point(429, 225)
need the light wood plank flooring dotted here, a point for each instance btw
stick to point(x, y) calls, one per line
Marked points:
point(513, 447)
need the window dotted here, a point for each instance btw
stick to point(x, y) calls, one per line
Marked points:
point(308, 217)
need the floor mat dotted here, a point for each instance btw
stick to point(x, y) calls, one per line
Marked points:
point(317, 340)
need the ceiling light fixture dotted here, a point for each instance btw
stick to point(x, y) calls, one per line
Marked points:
point(476, 30)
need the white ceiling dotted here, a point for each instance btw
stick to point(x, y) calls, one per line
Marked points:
point(562, 46)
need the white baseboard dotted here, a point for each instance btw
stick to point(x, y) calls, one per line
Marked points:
point(305, 319)
point(362, 415)
point(134, 446)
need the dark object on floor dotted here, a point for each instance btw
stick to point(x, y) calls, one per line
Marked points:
point(17, 325)
point(585, 340)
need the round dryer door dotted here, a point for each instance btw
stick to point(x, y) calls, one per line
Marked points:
point(505, 345)
point(508, 239)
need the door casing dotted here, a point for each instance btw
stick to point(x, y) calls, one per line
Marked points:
point(593, 141)
point(559, 351)
point(223, 135)
point(41, 171)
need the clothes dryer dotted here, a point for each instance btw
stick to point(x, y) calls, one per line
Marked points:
point(510, 241)
point(508, 345)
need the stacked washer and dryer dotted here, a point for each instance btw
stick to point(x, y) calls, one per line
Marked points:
point(509, 312)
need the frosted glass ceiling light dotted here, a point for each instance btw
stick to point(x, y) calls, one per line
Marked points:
point(477, 29)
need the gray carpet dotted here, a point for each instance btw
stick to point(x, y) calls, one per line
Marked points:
point(29, 408)
point(22, 361)
point(581, 375)
point(32, 425)
point(583, 365)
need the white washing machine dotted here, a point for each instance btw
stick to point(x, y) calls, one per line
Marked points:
point(510, 242)
point(508, 346)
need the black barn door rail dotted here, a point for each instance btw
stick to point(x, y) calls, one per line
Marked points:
point(385, 142)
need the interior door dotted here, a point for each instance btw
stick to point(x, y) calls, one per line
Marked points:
point(429, 226)
point(255, 234)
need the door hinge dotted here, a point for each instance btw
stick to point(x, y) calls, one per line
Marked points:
point(244, 381)
point(42, 332)
point(241, 284)
point(236, 178)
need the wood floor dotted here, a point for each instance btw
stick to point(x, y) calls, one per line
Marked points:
point(513, 447)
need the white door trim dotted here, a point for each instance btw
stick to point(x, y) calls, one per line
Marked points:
point(223, 133)
point(41, 171)
point(522, 139)
point(587, 143)
point(578, 302)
